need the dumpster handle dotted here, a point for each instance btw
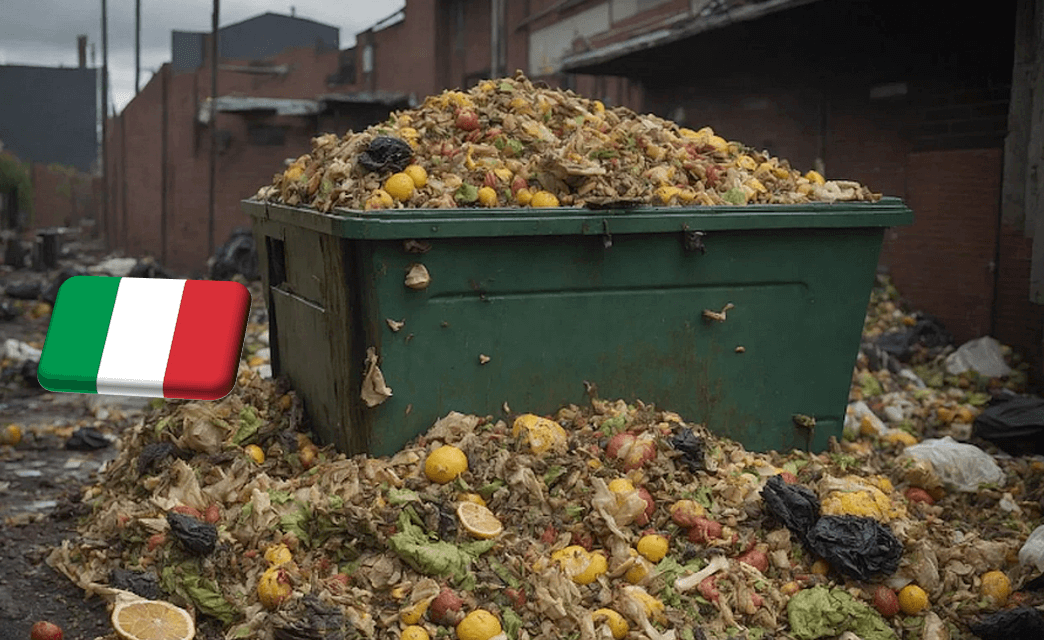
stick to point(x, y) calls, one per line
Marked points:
point(607, 238)
point(694, 241)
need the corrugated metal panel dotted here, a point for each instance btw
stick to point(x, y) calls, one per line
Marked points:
point(280, 106)
point(710, 15)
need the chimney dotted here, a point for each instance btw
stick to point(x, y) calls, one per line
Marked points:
point(81, 48)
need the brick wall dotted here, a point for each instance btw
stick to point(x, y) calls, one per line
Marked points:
point(942, 263)
point(1017, 321)
point(61, 196)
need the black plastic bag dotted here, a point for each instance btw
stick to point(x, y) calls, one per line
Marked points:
point(386, 154)
point(7, 312)
point(195, 535)
point(793, 505)
point(1016, 425)
point(1023, 623)
point(23, 290)
point(859, 548)
point(86, 439)
point(928, 332)
point(143, 583)
point(692, 449)
point(148, 269)
point(237, 256)
point(50, 294)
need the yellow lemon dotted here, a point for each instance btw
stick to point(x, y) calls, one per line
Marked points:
point(542, 434)
point(274, 587)
point(544, 199)
point(139, 619)
point(414, 632)
point(912, 599)
point(653, 547)
point(445, 464)
point(12, 435)
point(417, 174)
point(278, 554)
point(478, 625)
point(399, 186)
point(413, 613)
point(478, 520)
point(379, 199)
point(596, 566)
point(524, 196)
point(255, 452)
point(997, 587)
point(621, 485)
point(487, 196)
point(471, 497)
point(617, 625)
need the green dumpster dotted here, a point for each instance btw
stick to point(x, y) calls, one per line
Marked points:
point(738, 317)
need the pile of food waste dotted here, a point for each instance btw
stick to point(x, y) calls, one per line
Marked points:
point(508, 143)
point(617, 519)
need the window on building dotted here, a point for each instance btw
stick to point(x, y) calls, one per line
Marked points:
point(367, 59)
point(266, 135)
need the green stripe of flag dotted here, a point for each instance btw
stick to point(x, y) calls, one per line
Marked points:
point(76, 337)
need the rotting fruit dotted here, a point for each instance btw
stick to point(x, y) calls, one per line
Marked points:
point(478, 625)
point(445, 464)
point(617, 625)
point(274, 587)
point(912, 599)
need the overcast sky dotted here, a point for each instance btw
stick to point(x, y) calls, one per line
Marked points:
point(43, 32)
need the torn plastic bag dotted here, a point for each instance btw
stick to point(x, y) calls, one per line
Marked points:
point(795, 506)
point(147, 268)
point(961, 466)
point(86, 439)
point(859, 548)
point(23, 290)
point(143, 583)
point(928, 332)
point(50, 294)
point(691, 447)
point(237, 256)
point(1023, 623)
point(1032, 552)
point(386, 154)
point(7, 312)
point(1016, 425)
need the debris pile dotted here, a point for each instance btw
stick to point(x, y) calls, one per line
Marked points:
point(613, 520)
point(508, 143)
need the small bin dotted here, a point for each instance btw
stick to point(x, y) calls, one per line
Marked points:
point(555, 298)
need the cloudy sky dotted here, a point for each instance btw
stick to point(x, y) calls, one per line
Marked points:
point(43, 32)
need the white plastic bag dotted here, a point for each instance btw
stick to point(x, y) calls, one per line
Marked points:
point(983, 355)
point(854, 420)
point(960, 466)
point(1032, 552)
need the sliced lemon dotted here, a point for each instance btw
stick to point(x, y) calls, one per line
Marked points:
point(478, 520)
point(152, 620)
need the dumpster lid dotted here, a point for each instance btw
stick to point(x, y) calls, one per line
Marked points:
point(392, 224)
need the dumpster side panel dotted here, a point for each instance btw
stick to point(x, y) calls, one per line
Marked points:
point(312, 338)
point(551, 313)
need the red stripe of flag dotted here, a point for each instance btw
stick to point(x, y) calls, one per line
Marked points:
point(208, 340)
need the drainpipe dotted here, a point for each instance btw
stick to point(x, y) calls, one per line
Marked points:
point(165, 80)
point(213, 124)
point(494, 40)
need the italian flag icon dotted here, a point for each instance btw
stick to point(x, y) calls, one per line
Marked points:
point(147, 337)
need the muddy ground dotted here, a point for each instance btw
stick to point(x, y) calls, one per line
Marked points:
point(41, 479)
